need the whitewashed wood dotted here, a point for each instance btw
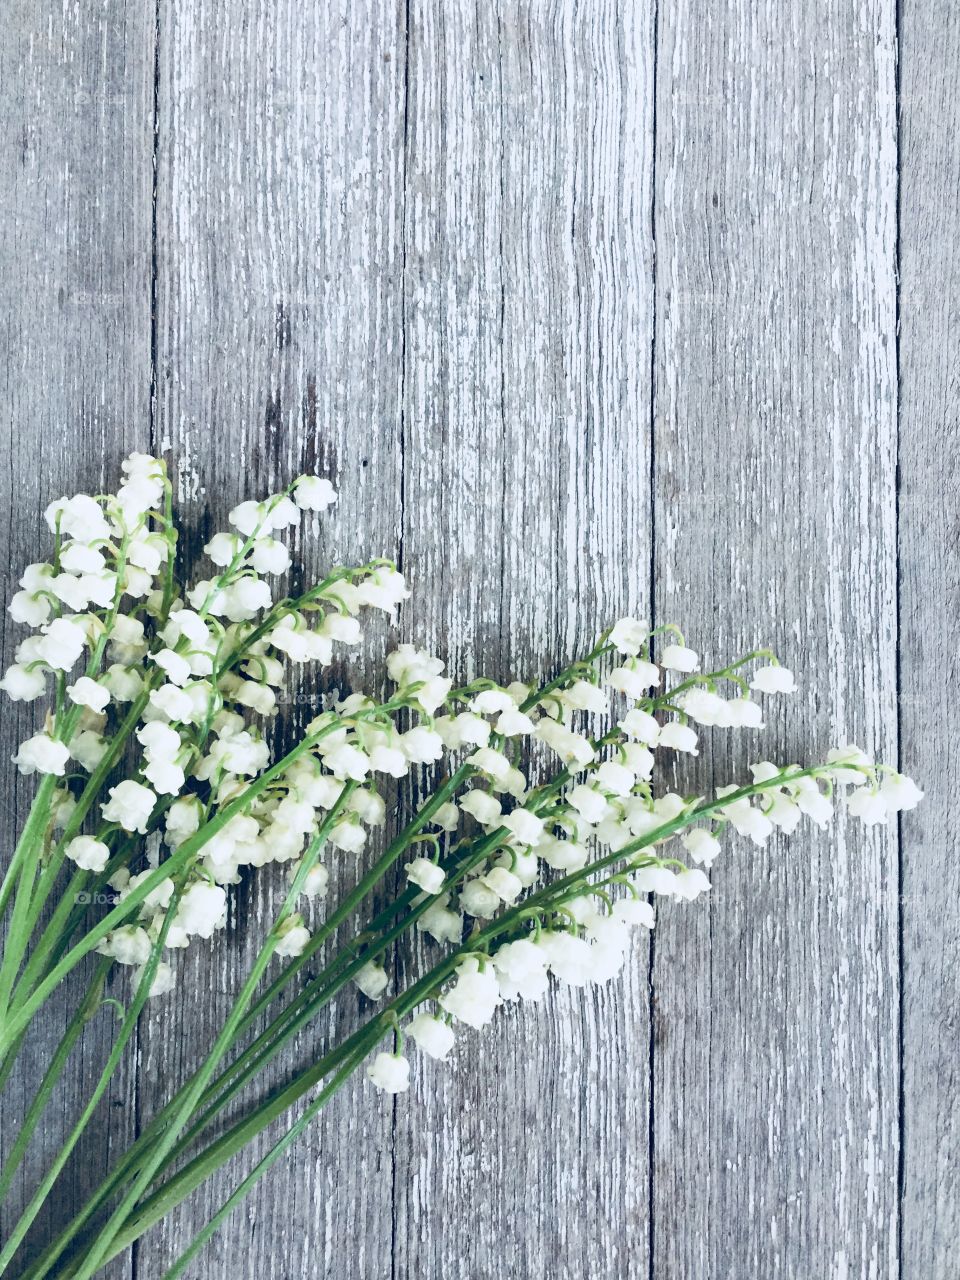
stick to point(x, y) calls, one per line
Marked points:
point(929, 608)
point(207, 259)
point(76, 100)
point(528, 330)
point(776, 1069)
point(412, 245)
point(279, 289)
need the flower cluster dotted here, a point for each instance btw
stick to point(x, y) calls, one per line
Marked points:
point(544, 844)
point(607, 836)
point(193, 680)
point(193, 677)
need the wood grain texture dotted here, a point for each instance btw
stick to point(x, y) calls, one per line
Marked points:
point(776, 1066)
point(279, 350)
point(526, 531)
point(929, 520)
point(76, 99)
point(586, 309)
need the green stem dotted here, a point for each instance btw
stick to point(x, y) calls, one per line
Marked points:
point(355, 1048)
point(172, 866)
point(264, 1165)
point(55, 936)
point(378, 871)
point(179, 1118)
point(27, 906)
point(23, 870)
point(255, 1057)
point(536, 904)
point(83, 1014)
point(50, 872)
point(126, 1030)
point(287, 1024)
point(37, 818)
point(70, 911)
point(318, 993)
point(307, 1003)
point(189, 1178)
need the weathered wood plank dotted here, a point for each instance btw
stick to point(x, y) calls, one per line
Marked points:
point(528, 330)
point(929, 517)
point(279, 349)
point(76, 99)
point(422, 260)
point(776, 1067)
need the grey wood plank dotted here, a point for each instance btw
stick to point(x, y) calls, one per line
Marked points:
point(279, 349)
point(76, 98)
point(470, 251)
point(929, 608)
point(776, 1067)
point(528, 330)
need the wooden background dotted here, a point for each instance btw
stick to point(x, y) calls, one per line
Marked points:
point(587, 307)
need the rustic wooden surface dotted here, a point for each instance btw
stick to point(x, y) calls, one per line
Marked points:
point(586, 308)
point(76, 95)
point(929, 588)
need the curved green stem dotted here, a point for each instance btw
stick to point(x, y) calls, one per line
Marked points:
point(126, 1030)
point(304, 1008)
point(27, 905)
point(257, 1054)
point(289, 1022)
point(264, 1165)
point(529, 702)
point(55, 861)
point(36, 823)
point(538, 904)
point(172, 866)
point(178, 1119)
point(20, 876)
point(81, 1017)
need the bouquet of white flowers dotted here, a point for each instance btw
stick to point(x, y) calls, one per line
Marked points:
point(539, 848)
